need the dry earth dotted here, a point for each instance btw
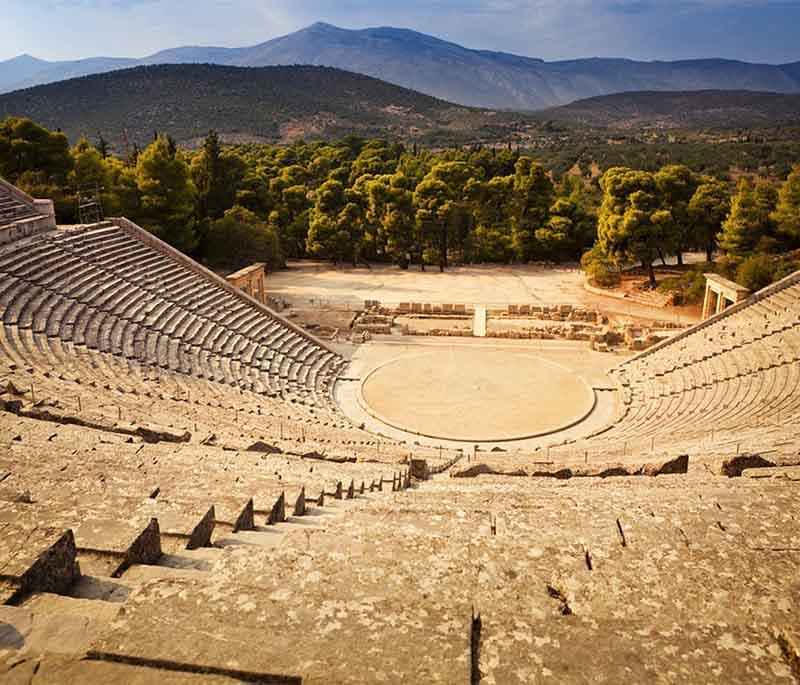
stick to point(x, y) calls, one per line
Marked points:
point(321, 285)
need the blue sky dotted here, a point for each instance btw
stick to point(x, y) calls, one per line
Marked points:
point(755, 30)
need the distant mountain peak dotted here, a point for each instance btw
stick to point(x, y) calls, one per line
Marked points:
point(24, 58)
point(434, 66)
point(322, 26)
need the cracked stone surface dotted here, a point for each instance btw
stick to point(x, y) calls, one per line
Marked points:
point(688, 576)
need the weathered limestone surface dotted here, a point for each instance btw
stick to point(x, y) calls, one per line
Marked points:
point(36, 559)
point(784, 472)
point(182, 502)
point(50, 623)
point(321, 630)
point(48, 669)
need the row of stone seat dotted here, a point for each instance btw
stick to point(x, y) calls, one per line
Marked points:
point(127, 503)
point(502, 580)
point(733, 375)
point(12, 209)
point(771, 314)
point(101, 288)
point(105, 388)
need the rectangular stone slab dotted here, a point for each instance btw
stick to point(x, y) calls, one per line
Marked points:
point(105, 543)
point(570, 649)
point(34, 559)
point(309, 627)
point(65, 670)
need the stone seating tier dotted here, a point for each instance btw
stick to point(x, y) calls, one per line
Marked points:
point(99, 287)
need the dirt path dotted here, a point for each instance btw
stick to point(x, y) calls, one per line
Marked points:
point(320, 285)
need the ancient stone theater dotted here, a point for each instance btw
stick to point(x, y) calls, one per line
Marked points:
point(195, 488)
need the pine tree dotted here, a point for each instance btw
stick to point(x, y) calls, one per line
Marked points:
point(217, 175)
point(168, 195)
point(632, 223)
point(749, 225)
point(531, 199)
point(708, 209)
point(102, 146)
point(787, 212)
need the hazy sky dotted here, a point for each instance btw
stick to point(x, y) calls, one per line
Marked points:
point(756, 30)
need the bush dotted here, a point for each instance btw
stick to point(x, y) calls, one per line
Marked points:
point(689, 287)
point(241, 238)
point(600, 269)
point(785, 268)
point(727, 265)
point(756, 272)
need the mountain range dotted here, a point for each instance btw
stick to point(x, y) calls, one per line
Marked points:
point(688, 110)
point(439, 68)
point(263, 104)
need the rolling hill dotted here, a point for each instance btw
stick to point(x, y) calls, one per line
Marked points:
point(722, 110)
point(443, 69)
point(268, 104)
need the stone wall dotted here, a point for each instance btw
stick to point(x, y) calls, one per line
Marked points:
point(43, 215)
point(252, 280)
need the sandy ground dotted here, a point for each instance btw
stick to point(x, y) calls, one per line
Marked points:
point(524, 399)
point(320, 284)
point(469, 393)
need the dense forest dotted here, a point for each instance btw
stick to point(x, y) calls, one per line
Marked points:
point(356, 201)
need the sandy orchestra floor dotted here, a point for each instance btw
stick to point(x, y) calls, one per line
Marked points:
point(463, 393)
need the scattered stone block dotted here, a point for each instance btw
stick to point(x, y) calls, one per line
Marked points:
point(264, 448)
point(419, 469)
point(246, 519)
point(278, 512)
point(733, 467)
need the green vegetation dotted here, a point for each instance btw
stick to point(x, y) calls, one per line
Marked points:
point(358, 200)
point(720, 110)
point(688, 287)
point(724, 134)
point(645, 216)
point(787, 210)
point(600, 268)
point(769, 153)
point(267, 104)
point(634, 224)
point(240, 237)
point(168, 196)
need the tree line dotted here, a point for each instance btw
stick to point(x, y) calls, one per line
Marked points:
point(645, 216)
point(358, 200)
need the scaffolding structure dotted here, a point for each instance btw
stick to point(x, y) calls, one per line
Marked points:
point(90, 204)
